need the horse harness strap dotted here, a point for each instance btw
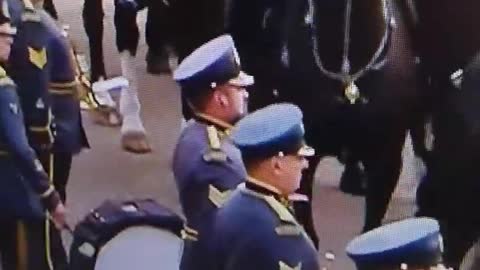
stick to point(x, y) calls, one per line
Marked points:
point(351, 91)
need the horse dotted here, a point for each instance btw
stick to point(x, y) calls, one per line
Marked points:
point(448, 45)
point(349, 70)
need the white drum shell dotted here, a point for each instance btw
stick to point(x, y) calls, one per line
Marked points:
point(141, 248)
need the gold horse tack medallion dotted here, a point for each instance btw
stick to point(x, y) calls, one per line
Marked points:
point(352, 93)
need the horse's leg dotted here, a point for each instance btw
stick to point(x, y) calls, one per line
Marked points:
point(420, 133)
point(382, 165)
point(157, 35)
point(303, 210)
point(134, 137)
point(353, 180)
point(50, 8)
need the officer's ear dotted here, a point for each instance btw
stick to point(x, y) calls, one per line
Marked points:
point(276, 164)
point(221, 98)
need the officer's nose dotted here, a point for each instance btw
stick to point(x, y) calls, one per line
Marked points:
point(245, 93)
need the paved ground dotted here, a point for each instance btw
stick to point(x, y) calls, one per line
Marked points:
point(108, 172)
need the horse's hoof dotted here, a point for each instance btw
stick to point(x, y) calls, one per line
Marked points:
point(158, 64)
point(106, 116)
point(158, 68)
point(353, 181)
point(353, 189)
point(135, 142)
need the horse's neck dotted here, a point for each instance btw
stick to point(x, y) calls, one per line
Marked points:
point(369, 21)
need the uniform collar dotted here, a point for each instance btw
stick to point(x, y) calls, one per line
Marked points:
point(266, 189)
point(208, 119)
point(3, 73)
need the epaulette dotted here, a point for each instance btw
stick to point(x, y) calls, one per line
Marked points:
point(30, 17)
point(214, 153)
point(279, 209)
point(28, 5)
point(29, 14)
point(288, 230)
point(289, 226)
point(3, 73)
point(4, 79)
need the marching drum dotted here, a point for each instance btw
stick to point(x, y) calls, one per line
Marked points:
point(128, 235)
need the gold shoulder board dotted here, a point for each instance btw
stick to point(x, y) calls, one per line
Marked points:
point(288, 230)
point(215, 152)
point(6, 81)
point(281, 211)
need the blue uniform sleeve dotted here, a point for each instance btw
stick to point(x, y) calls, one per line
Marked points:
point(62, 72)
point(12, 130)
point(65, 91)
point(225, 175)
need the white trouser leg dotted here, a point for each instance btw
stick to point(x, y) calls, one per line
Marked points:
point(129, 102)
point(104, 97)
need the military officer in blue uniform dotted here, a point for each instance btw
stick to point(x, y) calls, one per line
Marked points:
point(413, 243)
point(256, 229)
point(70, 137)
point(26, 190)
point(206, 165)
point(30, 67)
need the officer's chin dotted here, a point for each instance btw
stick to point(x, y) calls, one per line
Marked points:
point(240, 115)
point(238, 118)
